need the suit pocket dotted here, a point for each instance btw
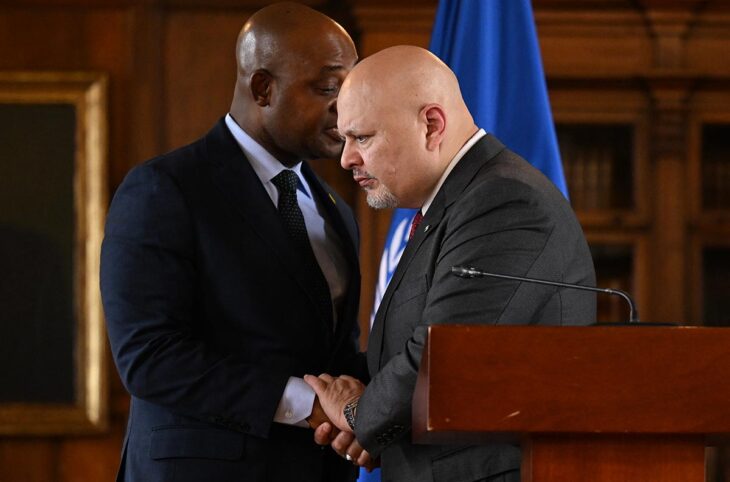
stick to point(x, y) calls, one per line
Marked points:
point(409, 289)
point(174, 442)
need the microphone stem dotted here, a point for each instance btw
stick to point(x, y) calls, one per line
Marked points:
point(472, 273)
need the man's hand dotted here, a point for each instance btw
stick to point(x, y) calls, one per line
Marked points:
point(345, 444)
point(317, 417)
point(325, 434)
point(333, 394)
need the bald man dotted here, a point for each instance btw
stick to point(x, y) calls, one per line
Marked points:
point(229, 269)
point(411, 142)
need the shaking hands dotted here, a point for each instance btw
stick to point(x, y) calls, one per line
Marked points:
point(328, 417)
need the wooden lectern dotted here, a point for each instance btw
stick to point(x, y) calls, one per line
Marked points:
point(587, 404)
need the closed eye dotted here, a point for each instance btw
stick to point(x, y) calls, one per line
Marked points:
point(328, 90)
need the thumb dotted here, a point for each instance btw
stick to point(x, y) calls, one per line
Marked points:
point(317, 384)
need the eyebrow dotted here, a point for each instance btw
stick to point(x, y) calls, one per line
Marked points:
point(332, 68)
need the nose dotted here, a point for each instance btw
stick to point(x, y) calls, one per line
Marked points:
point(350, 158)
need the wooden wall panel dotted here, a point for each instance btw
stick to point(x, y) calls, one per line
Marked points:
point(86, 459)
point(707, 44)
point(384, 26)
point(200, 70)
point(74, 38)
point(31, 460)
point(78, 38)
point(613, 43)
point(144, 84)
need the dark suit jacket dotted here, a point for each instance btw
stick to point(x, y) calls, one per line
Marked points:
point(209, 312)
point(497, 213)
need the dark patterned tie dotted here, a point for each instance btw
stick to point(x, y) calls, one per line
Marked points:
point(286, 182)
point(414, 224)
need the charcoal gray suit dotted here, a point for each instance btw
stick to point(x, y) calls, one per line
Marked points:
point(498, 213)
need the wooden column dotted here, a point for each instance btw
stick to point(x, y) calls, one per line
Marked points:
point(670, 88)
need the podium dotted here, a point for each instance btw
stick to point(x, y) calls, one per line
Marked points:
point(587, 404)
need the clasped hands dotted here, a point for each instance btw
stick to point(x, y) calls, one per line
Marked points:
point(328, 419)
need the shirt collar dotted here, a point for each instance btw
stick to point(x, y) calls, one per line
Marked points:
point(263, 163)
point(469, 144)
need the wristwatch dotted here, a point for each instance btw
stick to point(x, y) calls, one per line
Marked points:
point(349, 412)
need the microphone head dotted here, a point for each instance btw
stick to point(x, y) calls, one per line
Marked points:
point(463, 272)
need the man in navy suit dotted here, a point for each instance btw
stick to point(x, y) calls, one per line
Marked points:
point(229, 270)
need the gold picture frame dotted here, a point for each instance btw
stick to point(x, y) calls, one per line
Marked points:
point(75, 400)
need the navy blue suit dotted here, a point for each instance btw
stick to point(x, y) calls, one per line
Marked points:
point(209, 312)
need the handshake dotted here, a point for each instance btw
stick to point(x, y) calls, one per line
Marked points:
point(331, 425)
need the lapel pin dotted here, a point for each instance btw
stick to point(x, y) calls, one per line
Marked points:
point(425, 230)
point(332, 198)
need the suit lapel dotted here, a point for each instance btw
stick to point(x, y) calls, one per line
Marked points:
point(333, 212)
point(240, 185)
point(454, 185)
point(375, 342)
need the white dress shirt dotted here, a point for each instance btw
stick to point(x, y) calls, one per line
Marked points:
point(296, 402)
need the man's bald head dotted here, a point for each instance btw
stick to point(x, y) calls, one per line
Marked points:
point(409, 77)
point(282, 29)
point(404, 119)
point(291, 62)
point(406, 72)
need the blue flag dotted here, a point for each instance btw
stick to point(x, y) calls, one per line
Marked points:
point(491, 45)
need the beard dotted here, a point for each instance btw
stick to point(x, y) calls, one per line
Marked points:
point(382, 198)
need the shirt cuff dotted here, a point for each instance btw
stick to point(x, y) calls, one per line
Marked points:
point(295, 404)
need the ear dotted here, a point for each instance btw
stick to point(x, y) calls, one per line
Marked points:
point(261, 81)
point(434, 117)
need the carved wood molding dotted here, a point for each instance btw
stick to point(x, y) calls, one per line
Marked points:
point(669, 116)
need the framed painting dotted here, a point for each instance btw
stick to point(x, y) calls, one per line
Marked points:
point(53, 197)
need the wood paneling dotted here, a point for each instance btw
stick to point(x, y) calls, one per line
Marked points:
point(74, 38)
point(84, 459)
point(612, 44)
point(32, 460)
point(200, 70)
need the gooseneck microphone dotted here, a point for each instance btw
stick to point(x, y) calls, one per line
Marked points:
point(465, 272)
